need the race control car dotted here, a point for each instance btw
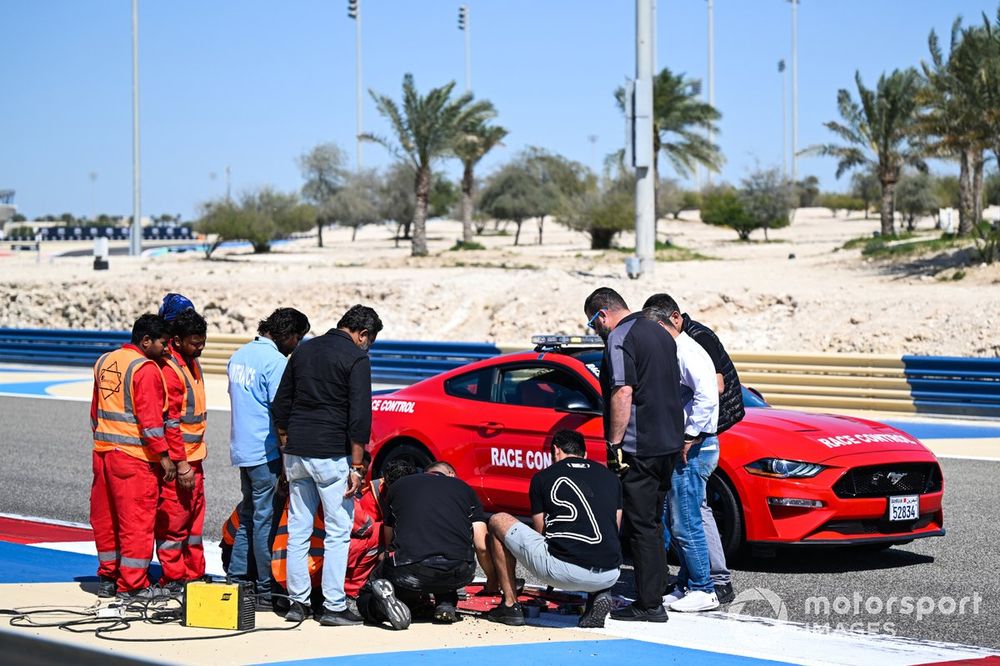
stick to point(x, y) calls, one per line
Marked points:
point(784, 477)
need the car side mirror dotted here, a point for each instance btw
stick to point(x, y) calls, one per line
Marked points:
point(575, 404)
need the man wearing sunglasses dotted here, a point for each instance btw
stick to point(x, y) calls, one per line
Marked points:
point(644, 432)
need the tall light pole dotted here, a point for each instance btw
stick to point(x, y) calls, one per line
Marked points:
point(654, 20)
point(354, 12)
point(93, 196)
point(645, 192)
point(464, 25)
point(135, 237)
point(784, 119)
point(711, 77)
point(795, 88)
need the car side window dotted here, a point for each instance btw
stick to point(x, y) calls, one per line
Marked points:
point(543, 386)
point(471, 385)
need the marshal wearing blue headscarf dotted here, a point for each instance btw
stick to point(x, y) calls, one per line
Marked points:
point(173, 305)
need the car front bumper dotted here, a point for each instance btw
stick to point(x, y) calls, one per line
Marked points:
point(837, 520)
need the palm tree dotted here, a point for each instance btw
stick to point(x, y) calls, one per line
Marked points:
point(472, 145)
point(954, 122)
point(878, 133)
point(988, 60)
point(426, 129)
point(680, 121)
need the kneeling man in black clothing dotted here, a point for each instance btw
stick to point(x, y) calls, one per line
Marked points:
point(435, 527)
point(576, 508)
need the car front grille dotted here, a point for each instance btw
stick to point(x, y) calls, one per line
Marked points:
point(893, 479)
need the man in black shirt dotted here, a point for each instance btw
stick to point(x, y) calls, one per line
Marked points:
point(323, 414)
point(576, 510)
point(644, 432)
point(435, 528)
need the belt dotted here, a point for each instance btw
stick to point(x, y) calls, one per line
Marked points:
point(598, 570)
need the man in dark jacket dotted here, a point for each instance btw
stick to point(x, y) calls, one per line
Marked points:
point(731, 412)
point(323, 413)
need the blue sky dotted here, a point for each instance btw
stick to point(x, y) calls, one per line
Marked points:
point(253, 84)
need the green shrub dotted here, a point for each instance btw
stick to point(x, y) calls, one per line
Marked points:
point(472, 245)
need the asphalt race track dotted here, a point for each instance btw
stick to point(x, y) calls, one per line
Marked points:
point(45, 471)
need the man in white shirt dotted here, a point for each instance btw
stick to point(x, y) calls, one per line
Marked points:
point(695, 590)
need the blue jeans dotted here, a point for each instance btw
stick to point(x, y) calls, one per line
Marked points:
point(312, 482)
point(255, 535)
point(686, 526)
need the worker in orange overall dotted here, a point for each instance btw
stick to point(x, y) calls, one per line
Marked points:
point(130, 459)
point(180, 514)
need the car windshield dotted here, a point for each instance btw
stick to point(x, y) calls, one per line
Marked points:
point(592, 360)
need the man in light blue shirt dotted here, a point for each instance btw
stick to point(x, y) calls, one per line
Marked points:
point(255, 371)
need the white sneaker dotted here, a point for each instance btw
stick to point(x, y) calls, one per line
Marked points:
point(695, 601)
point(675, 594)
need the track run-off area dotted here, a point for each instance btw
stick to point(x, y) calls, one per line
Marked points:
point(933, 600)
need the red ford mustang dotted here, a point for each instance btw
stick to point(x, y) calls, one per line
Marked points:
point(784, 477)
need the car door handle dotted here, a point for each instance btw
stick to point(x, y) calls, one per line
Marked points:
point(492, 426)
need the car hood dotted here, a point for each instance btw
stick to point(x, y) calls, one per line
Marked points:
point(818, 437)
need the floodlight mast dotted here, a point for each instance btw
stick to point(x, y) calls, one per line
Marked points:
point(354, 12)
point(135, 236)
point(642, 151)
point(465, 24)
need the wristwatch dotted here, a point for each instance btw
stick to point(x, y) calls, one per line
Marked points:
point(359, 469)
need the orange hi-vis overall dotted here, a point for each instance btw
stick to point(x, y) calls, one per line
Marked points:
point(363, 551)
point(125, 487)
point(181, 513)
point(279, 551)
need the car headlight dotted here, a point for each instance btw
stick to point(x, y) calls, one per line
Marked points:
point(779, 468)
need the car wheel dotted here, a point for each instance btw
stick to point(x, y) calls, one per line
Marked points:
point(414, 454)
point(725, 507)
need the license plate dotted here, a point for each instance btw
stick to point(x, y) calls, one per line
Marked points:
point(904, 507)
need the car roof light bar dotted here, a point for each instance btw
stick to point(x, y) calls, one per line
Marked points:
point(561, 341)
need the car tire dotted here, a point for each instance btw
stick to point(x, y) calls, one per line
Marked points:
point(415, 454)
point(725, 505)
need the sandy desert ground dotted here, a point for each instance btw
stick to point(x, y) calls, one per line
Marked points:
point(799, 292)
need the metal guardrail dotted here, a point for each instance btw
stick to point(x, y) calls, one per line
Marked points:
point(57, 347)
point(924, 384)
point(827, 380)
point(947, 385)
point(392, 360)
point(915, 384)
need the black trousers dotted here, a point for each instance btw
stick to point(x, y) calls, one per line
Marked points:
point(644, 489)
point(413, 582)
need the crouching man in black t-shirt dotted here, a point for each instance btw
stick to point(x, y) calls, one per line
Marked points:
point(434, 527)
point(576, 508)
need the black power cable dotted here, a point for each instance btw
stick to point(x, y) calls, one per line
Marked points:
point(151, 611)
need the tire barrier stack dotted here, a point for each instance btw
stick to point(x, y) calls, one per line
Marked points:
point(64, 233)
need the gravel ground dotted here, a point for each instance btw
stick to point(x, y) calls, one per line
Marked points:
point(45, 471)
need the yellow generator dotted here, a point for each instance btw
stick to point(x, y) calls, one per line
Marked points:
point(218, 605)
